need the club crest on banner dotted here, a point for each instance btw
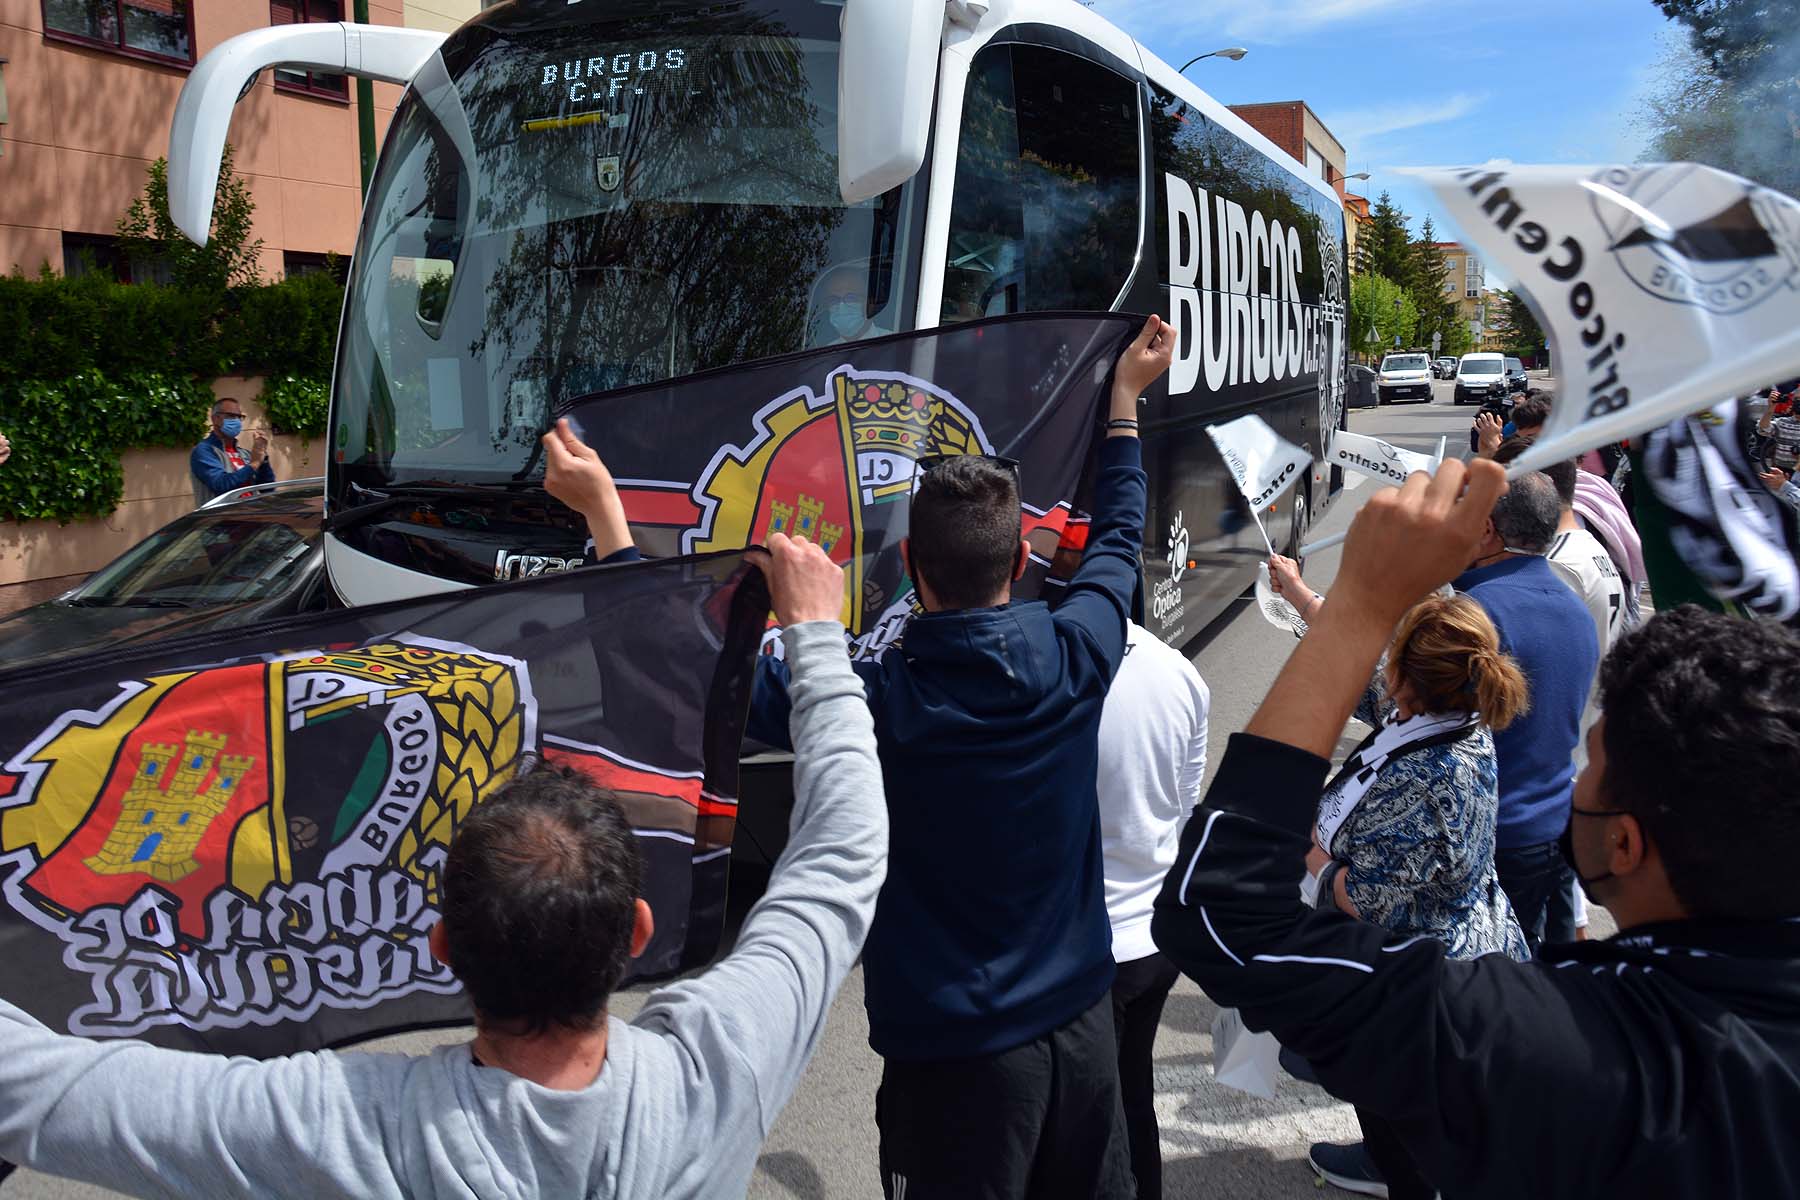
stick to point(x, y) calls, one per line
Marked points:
point(1714, 241)
point(162, 837)
point(834, 466)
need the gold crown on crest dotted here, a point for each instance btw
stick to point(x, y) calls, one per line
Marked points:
point(887, 414)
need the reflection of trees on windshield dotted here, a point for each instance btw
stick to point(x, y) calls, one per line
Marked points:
point(701, 257)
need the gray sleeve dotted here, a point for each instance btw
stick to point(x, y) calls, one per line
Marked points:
point(155, 1122)
point(750, 1024)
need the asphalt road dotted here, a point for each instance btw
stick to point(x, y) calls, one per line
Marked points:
point(1216, 1141)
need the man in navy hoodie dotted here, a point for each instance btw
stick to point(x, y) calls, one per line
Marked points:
point(989, 965)
point(1547, 629)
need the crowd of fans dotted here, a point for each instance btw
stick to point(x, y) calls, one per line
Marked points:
point(1406, 925)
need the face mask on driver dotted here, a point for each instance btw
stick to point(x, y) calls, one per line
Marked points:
point(231, 426)
point(847, 318)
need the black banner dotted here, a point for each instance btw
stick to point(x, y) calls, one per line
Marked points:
point(824, 443)
point(233, 843)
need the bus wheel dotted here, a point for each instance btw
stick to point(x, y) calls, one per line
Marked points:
point(1301, 523)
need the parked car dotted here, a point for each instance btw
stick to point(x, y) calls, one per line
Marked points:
point(248, 556)
point(1443, 368)
point(1476, 375)
point(1516, 379)
point(1404, 377)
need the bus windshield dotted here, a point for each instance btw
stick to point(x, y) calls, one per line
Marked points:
point(573, 200)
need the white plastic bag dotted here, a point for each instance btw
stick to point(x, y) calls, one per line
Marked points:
point(1249, 1062)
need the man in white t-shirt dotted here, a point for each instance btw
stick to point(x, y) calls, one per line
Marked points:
point(1152, 761)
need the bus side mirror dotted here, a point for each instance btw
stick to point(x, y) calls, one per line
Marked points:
point(220, 79)
point(887, 76)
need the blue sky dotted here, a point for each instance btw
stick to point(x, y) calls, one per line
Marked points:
point(1428, 82)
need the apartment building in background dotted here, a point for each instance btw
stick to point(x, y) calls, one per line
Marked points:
point(1465, 283)
point(87, 90)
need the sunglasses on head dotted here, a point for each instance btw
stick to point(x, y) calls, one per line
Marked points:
point(928, 463)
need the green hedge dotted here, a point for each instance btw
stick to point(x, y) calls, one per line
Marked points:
point(297, 404)
point(90, 368)
point(59, 327)
point(68, 435)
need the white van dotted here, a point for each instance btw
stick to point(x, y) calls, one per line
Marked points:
point(1476, 373)
point(1404, 375)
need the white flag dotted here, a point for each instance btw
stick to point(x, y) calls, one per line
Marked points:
point(1374, 457)
point(1259, 459)
point(1664, 289)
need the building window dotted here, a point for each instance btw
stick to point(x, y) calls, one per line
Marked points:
point(1316, 164)
point(295, 263)
point(158, 30)
point(293, 79)
point(98, 254)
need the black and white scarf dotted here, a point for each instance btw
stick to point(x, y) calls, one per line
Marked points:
point(1352, 783)
point(1735, 535)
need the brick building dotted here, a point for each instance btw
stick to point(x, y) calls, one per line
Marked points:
point(87, 90)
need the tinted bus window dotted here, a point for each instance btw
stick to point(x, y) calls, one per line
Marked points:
point(1045, 214)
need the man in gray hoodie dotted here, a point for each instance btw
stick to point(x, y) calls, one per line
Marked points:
point(553, 1097)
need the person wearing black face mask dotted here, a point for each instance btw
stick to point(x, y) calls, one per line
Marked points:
point(1663, 1062)
point(219, 464)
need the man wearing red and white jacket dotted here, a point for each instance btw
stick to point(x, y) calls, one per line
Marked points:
point(1662, 1062)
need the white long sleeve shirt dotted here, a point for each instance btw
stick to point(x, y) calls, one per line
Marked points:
point(1152, 762)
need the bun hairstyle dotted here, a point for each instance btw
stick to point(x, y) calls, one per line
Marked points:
point(1448, 653)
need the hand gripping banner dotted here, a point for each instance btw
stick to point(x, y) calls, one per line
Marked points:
point(825, 443)
point(1664, 288)
point(234, 842)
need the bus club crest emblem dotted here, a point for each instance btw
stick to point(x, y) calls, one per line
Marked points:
point(247, 843)
point(607, 172)
point(838, 466)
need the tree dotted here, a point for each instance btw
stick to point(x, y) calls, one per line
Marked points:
point(1425, 276)
point(148, 234)
point(1730, 97)
point(1380, 309)
point(1520, 333)
point(1383, 246)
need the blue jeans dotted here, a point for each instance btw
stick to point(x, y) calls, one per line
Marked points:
point(1528, 875)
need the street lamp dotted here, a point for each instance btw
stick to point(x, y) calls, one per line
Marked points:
point(1358, 175)
point(1232, 52)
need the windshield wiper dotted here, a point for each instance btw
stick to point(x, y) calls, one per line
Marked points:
point(401, 494)
point(89, 602)
point(156, 602)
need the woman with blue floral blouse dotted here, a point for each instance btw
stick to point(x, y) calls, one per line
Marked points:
point(1405, 837)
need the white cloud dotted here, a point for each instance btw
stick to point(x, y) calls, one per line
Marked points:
point(1356, 127)
point(1270, 21)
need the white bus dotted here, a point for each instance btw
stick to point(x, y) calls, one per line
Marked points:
point(576, 196)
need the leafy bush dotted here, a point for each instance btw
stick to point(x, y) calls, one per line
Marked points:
point(68, 436)
point(297, 404)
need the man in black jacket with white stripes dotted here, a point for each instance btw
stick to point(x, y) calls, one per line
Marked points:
point(1662, 1062)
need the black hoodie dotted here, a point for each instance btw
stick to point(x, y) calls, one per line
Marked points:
point(1662, 1062)
point(991, 929)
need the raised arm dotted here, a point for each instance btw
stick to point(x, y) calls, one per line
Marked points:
point(207, 466)
point(153, 1122)
point(574, 474)
point(1097, 601)
point(754, 1020)
point(1384, 1020)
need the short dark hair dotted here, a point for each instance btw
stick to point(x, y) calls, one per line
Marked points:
point(1527, 515)
point(1702, 740)
point(214, 410)
point(1531, 412)
point(965, 530)
point(539, 894)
